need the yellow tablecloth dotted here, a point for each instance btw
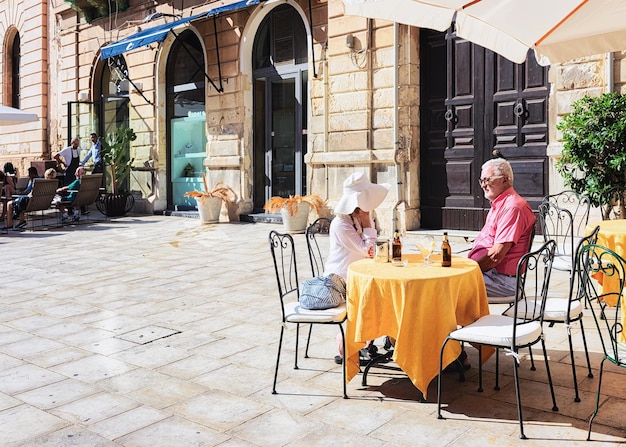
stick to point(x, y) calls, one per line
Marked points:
point(612, 235)
point(418, 306)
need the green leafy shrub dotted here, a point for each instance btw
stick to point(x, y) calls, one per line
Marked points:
point(116, 156)
point(594, 152)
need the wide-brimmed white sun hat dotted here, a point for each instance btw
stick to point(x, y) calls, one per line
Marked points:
point(359, 192)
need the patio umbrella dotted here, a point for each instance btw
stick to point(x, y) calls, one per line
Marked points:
point(557, 30)
point(10, 116)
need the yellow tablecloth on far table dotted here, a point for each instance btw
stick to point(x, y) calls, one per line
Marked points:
point(612, 235)
point(418, 306)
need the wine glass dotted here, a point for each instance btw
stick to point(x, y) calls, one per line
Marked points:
point(426, 246)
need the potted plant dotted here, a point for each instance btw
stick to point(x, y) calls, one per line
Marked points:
point(594, 152)
point(210, 201)
point(294, 210)
point(115, 154)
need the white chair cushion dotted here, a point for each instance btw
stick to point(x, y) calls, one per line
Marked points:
point(556, 309)
point(497, 330)
point(562, 263)
point(501, 299)
point(296, 314)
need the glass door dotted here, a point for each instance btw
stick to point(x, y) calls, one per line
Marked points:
point(283, 157)
point(280, 113)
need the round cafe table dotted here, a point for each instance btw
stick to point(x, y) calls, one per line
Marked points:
point(418, 306)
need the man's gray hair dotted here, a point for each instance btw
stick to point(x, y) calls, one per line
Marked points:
point(500, 167)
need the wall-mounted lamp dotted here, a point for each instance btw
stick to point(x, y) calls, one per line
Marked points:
point(350, 41)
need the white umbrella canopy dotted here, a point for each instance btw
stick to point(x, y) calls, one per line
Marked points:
point(10, 116)
point(557, 30)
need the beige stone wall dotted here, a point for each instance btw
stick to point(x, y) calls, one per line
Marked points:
point(21, 144)
point(365, 114)
point(591, 76)
point(363, 105)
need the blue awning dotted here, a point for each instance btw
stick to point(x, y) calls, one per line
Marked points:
point(158, 33)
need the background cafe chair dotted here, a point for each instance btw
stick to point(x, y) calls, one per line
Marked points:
point(612, 203)
point(595, 262)
point(284, 257)
point(557, 224)
point(509, 333)
point(567, 310)
point(320, 226)
point(579, 206)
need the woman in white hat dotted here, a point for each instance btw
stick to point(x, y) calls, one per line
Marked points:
point(352, 232)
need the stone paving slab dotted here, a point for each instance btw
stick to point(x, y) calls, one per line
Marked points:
point(158, 331)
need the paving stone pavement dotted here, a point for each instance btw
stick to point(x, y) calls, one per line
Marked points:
point(158, 331)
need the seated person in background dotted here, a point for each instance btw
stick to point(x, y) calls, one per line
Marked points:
point(15, 208)
point(11, 177)
point(352, 233)
point(7, 191)
point(8, 184)
point(505, 238)
point(68, 193)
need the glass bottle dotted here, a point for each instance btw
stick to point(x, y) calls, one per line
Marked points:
point(396, 248)
point(446, 252)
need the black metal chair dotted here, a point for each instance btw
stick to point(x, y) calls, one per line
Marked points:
point(285, 265)
point(612, 203)
point(512, 333)
point(605, 305)
point(568, 310)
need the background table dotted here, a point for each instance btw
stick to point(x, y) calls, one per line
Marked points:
point(612, 235)
point(418, 306)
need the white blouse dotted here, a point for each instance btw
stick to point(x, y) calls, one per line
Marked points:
point(348, 243)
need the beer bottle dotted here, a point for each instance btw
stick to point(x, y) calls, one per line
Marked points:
point(396, 247)
point(446, 252)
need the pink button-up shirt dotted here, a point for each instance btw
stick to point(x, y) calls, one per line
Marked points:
point(510, 219)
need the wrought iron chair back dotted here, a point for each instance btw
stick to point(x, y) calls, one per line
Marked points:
point(319, 226)
point(579, 205)
point(595, 264)
point(557, 224)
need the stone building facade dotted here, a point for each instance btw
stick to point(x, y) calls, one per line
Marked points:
point(267, 111)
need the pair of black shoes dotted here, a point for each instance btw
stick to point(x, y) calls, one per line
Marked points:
point(365, 355)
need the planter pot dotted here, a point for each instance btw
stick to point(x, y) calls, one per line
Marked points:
point(209, 209)
point(297, 223)
point(115, 205)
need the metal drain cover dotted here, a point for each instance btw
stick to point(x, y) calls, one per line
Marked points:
point(147, 334)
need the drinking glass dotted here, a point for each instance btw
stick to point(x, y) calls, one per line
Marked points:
point(426, 246)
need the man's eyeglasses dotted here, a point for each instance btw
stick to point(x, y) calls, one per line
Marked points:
point(485, 180)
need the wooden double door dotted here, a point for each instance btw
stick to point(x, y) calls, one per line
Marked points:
point(474, 104)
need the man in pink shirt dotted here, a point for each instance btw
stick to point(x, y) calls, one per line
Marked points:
point(505, 238)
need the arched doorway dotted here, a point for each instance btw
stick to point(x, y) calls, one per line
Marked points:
point(109, 109)
point(185, 119)
point(280, 98)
